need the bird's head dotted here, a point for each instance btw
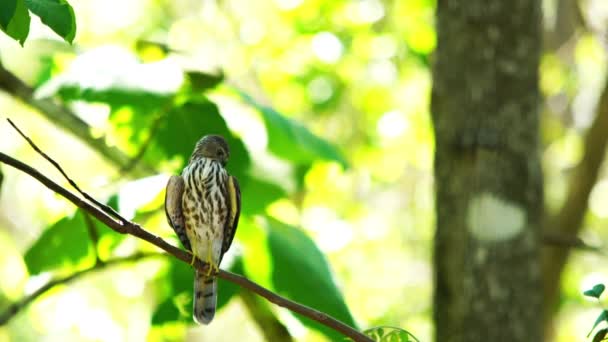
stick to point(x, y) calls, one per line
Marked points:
point(212, 147)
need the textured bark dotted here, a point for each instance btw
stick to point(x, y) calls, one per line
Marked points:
point(487, 170)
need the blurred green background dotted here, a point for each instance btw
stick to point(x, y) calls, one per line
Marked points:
point(326, 108)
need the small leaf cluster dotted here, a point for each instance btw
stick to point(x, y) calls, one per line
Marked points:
point(602, 334)
point(390, 334)
point(56, 14)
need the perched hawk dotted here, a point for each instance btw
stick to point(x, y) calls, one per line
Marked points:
point(203, 207)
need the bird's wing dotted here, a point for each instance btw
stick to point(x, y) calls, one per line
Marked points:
point(173, 209)
point(234, 196)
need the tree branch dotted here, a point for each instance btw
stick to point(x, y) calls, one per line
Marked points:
point(124, 226)
point(568, 221)
point(15, 308)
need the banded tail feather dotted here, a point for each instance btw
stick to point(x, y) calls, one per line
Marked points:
point(205, 298)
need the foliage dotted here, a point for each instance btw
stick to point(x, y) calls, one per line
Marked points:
point(596, 292)
point(390, 334)
point(335, 135)
point(56, 14)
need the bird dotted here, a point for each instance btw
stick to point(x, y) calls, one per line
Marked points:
point(203, 206)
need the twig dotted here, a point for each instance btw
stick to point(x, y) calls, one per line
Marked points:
point(106, 208)
point(93, 235)
point(557, 240)
point(16, 307)
point(132, 228)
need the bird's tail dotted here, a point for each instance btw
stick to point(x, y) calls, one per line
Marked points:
point(205, 298)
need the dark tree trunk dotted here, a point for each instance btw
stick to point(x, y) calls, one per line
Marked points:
point(487, 171)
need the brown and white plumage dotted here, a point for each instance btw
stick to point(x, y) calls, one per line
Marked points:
point(203, 207)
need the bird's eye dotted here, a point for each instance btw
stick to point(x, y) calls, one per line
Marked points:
point(220, 153)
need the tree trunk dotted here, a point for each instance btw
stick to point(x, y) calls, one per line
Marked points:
point(487, 171)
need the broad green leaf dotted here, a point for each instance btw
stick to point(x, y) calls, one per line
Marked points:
point(290, 140)
point(596, 291)
point(63, 245)
point(600, 335)
point(56, 14)
point(139, 99)
point(600, 318)
point(258, 194)
point(186, 124)
point(18, 26)
point(178, 306)
point(7, 10)
point(257, 259)
point(114, 75)
point(301, 272)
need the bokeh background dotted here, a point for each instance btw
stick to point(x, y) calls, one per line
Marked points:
point(326, 104)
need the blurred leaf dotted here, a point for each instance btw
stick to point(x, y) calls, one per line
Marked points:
point(178, 307)
point(390, 334)
point(601, 317)
point(18, 27)
point(257, 259)
point(115, 76)
point(302, 273)
point(596, 291)
point(150, 51)
point(186, 124)
point(116, 97)
point(200, 81)
point(64, 244)
point(290, 140)
point(258, 194)
point(600, 335)
point(56, 14)
point(7, 10)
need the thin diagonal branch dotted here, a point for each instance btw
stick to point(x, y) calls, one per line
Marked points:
point(106, 208)
point(132, 228)
point(16, 307)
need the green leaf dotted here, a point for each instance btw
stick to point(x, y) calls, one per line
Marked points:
point(65, 244)
point(600, 335)
point(290, 140)
point(7, 10)
point(596, 291)
point(601, 317)
point(200, 81)
point(389, 334)
point(18, 27)
point(301, 272)
point(264, 193)
point(186, 124)
point(56, 14)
